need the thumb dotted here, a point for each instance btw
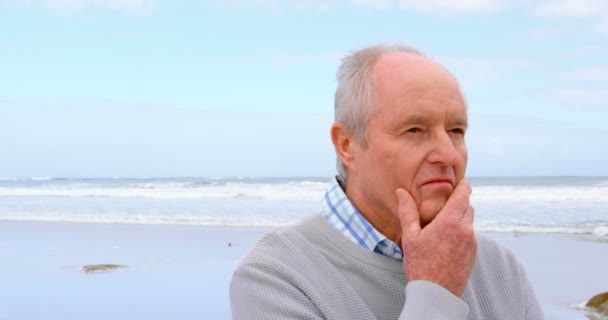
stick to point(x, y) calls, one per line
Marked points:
point(407, 212)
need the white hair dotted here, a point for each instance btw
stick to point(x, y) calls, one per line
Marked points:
point(355, 94)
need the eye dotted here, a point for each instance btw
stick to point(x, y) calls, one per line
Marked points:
point(457, 131)
point(414, 130)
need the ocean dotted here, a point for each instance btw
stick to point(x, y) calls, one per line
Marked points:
point(572, 205)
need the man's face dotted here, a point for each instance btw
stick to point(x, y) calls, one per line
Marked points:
point(415, 138)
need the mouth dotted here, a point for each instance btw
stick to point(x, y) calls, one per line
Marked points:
point(438, 181)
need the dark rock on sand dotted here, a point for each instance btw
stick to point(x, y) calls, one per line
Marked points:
point(101, 267)
point(599, 303)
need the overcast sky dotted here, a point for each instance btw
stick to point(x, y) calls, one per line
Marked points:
point(150, 88)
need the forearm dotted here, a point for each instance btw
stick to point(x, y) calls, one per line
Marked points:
point(427, 300)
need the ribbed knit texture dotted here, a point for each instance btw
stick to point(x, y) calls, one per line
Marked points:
point(311, 271)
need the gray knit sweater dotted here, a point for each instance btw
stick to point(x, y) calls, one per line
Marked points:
point(311, 271)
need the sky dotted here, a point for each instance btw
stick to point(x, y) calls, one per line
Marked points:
point(244, 88)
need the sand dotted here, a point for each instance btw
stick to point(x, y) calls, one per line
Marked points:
point(183, 272)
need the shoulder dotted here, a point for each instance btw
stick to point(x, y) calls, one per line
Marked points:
point(283, 247)
point(286, 240)
point(275, 276)
point(499, 274)
point(496, 263)
point(490, 251)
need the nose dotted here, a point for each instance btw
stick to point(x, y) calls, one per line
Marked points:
point(443, 150)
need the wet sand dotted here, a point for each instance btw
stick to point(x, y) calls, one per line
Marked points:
point(183, 272)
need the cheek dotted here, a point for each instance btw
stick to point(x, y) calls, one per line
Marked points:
point(399, 168)
point(462, 165)
point(386, 161)
point(404, 168)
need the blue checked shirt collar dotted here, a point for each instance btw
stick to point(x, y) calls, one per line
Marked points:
point(344, 217)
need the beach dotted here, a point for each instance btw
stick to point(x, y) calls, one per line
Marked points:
point(173, 272)
point(184, 271)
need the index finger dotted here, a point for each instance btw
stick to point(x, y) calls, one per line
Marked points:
point(407, 212)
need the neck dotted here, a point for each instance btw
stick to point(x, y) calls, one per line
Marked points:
point(380, 218)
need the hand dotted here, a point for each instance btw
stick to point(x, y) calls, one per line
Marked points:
point(443, 251)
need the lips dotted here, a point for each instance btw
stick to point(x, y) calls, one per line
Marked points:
point(439, 180)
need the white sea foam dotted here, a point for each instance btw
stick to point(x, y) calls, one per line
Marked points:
point(494, 194)
point(514, 228)
point(229, 221)
point(288, 191)
point(257, 220)
point(579, 207)
point(600, 231)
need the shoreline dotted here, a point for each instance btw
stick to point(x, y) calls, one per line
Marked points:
point(578, 236)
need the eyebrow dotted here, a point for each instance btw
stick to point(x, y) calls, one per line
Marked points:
point(416, 119)
point(413, 120)
point(460, 121)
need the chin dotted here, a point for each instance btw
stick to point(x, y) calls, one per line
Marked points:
point(429, 209)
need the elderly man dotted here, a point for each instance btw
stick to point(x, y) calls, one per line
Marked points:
point(395, 236)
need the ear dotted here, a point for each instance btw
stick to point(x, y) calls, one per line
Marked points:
point(343, 143)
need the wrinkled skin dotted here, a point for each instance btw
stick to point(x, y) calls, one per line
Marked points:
point(408, 179)
point(443, 251)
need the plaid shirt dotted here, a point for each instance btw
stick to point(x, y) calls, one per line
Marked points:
point(344, 217)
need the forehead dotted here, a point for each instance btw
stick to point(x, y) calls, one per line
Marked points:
point(406, 83)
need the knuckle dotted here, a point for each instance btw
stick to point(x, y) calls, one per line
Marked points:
point(466, 231)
